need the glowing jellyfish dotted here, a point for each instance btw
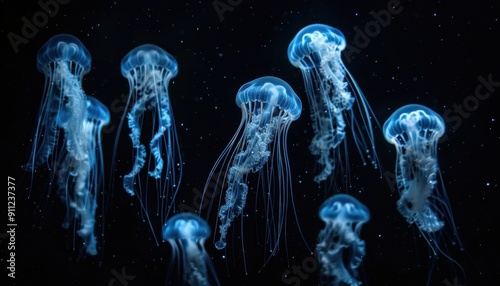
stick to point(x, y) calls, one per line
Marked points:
point(335, 99)
point(268, 105)
point(79, 181)
point(149, 70)
point(75, 159)
point(415, 130)
point(64, 60)
point(340, 250)
point(187, 233)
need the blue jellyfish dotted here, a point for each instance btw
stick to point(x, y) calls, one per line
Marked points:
point(186, 233)
point(268, 105)
point(335, 99)
point(415, 131)
point(149, 69)
point(64, 60)
point(75, 159)
point(79, 181)
point(340, 250)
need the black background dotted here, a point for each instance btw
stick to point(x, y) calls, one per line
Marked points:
point(430, 53)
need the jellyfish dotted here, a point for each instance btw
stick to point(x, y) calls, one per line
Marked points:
point(340, 249)
point(335, 100)
point(186, 233)
point(415, 131)
point(149, 69)
point(269, 106)
point(64, 60)
point(74, 159)
point(79, 181)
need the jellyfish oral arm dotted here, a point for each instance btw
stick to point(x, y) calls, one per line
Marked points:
point(140, 150)
point(331, 253)
point(328, 100)
point(195, 269)
point(75, 106)
point(155, 144)
point(255, 155)
point(416, 176)
point(326, 139)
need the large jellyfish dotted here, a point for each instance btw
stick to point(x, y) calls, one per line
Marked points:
point(186, 234)
point(415, 130)
point(340, 250)
point(64, 60)
point(268, 105)
point(149, 70)
point(75, 159)
point(335, 99)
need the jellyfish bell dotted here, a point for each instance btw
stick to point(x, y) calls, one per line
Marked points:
point(148, 56)
point(343, 207)
point(67, 48)
point(186, 226)
point(97, 111)
point(314, 39)
point(273, 92)
point(413, 124)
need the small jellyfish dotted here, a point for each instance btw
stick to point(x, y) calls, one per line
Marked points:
point(335, 100)
point(269, 106)
point(149, 69)
point(415, 131)
point(340, 250)
point(186, 233)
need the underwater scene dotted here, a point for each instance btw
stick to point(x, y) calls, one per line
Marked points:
point(236, 142)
